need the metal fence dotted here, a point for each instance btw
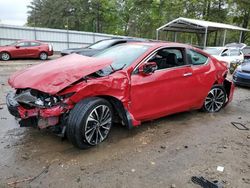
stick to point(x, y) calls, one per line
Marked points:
point(60, 39)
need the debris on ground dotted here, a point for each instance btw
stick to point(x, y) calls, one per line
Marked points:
point(30, 179)
point(220, 168)
point(173, 186)
point(199, 180)
point(163, 147)
point(25, 156)
point(240, 126)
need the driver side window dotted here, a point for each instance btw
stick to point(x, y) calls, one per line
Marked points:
point(168, 58)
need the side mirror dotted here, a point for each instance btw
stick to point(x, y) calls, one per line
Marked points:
point(17, 46)
point(224, 54)
point(148, 68)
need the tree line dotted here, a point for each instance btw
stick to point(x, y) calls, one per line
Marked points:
point(137, 18)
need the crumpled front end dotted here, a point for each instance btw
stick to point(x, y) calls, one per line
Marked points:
point(37, 109)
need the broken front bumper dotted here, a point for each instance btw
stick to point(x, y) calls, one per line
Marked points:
point(12, 104)
point(44, 117)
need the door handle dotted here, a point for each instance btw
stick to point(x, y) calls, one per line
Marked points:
point(187, 74)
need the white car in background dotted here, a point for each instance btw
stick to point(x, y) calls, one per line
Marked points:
point(226, 54)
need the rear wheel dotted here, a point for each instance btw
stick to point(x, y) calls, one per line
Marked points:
point(43, 56)
point(5, 56)
point(215, 99)
point(90, 122)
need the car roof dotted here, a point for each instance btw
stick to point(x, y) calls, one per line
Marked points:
point(163, 43)
point(217, 47)
point(223, 48)
point(23, 40)
point(124, 39)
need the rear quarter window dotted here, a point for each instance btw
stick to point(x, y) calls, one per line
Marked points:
point(196, 58)
point(34, 44)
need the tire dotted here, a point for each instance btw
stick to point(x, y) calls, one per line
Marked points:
point(215, 99)
point(5, 56)
point(43, 56)
point(89, 122)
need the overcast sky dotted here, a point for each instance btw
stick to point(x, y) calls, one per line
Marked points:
point(13, 12)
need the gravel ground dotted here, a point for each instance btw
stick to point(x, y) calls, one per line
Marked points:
point(163, 153)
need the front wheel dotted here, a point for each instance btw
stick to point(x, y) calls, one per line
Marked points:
point(215, 99)
point(89, 122)
point(5, 56)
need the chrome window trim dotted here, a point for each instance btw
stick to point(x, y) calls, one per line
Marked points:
point(153, 53)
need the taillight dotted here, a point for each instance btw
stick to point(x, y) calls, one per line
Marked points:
point(50, 47)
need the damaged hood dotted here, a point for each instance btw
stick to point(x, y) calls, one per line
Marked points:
point(53, 76)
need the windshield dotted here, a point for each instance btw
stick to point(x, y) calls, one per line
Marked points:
point(122, 55)
point(101, 44)
point(213, 51)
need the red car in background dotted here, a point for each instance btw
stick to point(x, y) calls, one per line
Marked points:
point(26, 49)
point(82, 96)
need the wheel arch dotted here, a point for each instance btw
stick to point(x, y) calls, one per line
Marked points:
point(42, 51)
point(119, 109)
point(4, 51)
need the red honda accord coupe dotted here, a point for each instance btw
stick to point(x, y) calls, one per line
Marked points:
point(81, 96)
point(26, 49)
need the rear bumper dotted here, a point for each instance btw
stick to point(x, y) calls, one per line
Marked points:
point(50, 53)
point(229, 87)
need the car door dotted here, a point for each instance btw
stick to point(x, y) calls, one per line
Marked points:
point(20, 50)
point(164, 91)
point(34, 49)
point(202, 79)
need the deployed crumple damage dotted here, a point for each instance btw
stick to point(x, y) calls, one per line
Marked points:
point(76, 76)
point(116, 85)
point(53, 76)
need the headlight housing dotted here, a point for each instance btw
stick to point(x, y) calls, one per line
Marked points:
point(33, 98)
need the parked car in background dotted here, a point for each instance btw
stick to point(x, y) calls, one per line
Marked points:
point(241, 75)
point(232, 56)
point(246, 52)
point(26, 49)
point(128, 83)
point(99, 46)
point(236, 45)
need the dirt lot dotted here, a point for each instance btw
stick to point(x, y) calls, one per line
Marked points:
point(162, 153)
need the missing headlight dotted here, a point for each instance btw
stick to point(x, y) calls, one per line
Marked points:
point(34, 98)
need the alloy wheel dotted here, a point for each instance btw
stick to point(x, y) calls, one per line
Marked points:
point(5, 56)
point(43, 56)
point(215, 100)
point(98, 124)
